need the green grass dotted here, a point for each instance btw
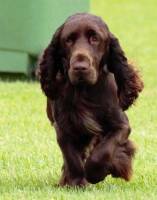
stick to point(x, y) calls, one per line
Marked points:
point(30, 159)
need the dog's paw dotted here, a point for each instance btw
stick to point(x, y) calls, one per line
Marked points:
point(73, 182)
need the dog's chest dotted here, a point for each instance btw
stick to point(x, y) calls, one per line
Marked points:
point(77, 118)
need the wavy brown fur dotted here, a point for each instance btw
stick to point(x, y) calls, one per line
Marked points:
point(126, 75)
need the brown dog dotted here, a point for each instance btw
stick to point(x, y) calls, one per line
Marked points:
point(89, 83)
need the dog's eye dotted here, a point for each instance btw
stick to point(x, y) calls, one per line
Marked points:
point(93, 37)
point(71, 39)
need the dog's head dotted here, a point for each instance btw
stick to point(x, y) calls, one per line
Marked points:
point(84, 42)
point(78, 49)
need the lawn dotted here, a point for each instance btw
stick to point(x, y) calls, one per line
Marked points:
point(30, 159)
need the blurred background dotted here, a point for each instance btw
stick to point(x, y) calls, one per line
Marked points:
point(26, 28)
point(30, 160)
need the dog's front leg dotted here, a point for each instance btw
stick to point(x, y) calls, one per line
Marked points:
point(73, 168)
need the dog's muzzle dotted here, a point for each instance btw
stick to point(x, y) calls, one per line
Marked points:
point(81, 68)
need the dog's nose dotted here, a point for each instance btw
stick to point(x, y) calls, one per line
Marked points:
point(81, 67)
point(80, 62)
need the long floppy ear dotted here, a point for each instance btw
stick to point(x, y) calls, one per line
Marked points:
point(127, 77)
point(49, 65)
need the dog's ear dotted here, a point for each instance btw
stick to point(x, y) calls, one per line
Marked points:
point(127, 77)
point(50, 63)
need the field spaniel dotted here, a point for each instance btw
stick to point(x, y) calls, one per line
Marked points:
point(89, 84)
